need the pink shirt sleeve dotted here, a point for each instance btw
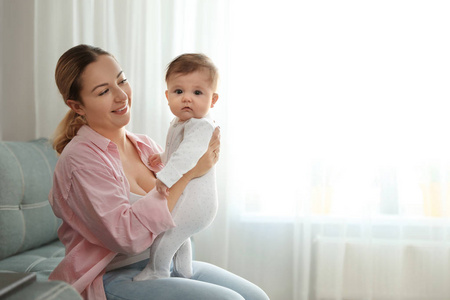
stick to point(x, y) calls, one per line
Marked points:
point(103, 214)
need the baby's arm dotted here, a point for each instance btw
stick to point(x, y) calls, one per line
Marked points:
point(197, 135)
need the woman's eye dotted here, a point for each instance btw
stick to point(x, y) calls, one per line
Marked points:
point(198, 92)
point(123, 81)
point(178, 91)
point(104, 92)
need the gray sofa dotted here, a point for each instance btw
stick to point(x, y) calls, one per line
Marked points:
point(28, 239)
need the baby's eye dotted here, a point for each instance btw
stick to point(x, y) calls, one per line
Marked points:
point(104, 92)
point(178, 91)
point(197, 92)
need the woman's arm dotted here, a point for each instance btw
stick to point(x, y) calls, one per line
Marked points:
point(206, 162)
point(93, 202)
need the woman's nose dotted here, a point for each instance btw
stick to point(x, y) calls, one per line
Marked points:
point(120, 95)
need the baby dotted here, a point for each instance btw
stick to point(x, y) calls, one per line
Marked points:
point(191, 91)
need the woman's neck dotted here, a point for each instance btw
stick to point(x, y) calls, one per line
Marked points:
point(120, 139)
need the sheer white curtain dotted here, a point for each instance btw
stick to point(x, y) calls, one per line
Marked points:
point(338, 182)
point(143, 35)
point(338, 177)
point(140, 34)
point(334, 177)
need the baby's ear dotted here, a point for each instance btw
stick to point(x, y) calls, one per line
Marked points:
point(167, 95)
point(76, 106)
point(215, 97)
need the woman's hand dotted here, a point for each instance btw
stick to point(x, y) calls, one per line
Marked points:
point(210, 158)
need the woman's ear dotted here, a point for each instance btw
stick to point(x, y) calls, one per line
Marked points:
point(215, 97)
point(76, 106)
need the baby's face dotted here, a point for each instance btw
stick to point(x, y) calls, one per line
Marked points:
point(190, 95)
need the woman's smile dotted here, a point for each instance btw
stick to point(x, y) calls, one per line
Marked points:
point(122, 110)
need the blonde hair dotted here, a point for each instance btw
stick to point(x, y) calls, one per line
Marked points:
point(68, 73)
point(191, 62)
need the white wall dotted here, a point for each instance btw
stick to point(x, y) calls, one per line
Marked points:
point(17, 68)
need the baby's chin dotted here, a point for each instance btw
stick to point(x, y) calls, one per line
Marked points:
point(184, 116)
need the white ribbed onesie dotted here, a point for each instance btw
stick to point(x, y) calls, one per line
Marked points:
point(197, 206)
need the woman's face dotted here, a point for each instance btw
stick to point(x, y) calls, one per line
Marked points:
point(106, 96)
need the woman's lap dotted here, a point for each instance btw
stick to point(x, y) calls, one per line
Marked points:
point(208, 282)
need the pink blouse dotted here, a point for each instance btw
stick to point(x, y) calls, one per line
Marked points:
point(90, 194)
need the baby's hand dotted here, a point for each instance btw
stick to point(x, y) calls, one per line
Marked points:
point(162, 188)
point(154, 160)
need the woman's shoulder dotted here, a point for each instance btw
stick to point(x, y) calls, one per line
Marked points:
point(82, 153)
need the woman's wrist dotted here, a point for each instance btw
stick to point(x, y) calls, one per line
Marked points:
point(191, 174)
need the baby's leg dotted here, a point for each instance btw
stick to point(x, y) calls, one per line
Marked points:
point(161, 254)
point(195, 210)
point(182, 261)
point(151, 271)
point(167, 244)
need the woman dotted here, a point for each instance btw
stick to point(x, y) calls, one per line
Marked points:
point(103, 190)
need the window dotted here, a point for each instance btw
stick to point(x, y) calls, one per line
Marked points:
point(340, 108)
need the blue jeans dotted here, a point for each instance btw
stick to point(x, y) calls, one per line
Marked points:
point(207, 282)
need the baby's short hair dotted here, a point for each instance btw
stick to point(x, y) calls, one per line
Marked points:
point(191, 62)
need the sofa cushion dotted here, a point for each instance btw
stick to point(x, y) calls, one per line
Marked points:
point(50, 290)
point(41, 260)
point(26, 218)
